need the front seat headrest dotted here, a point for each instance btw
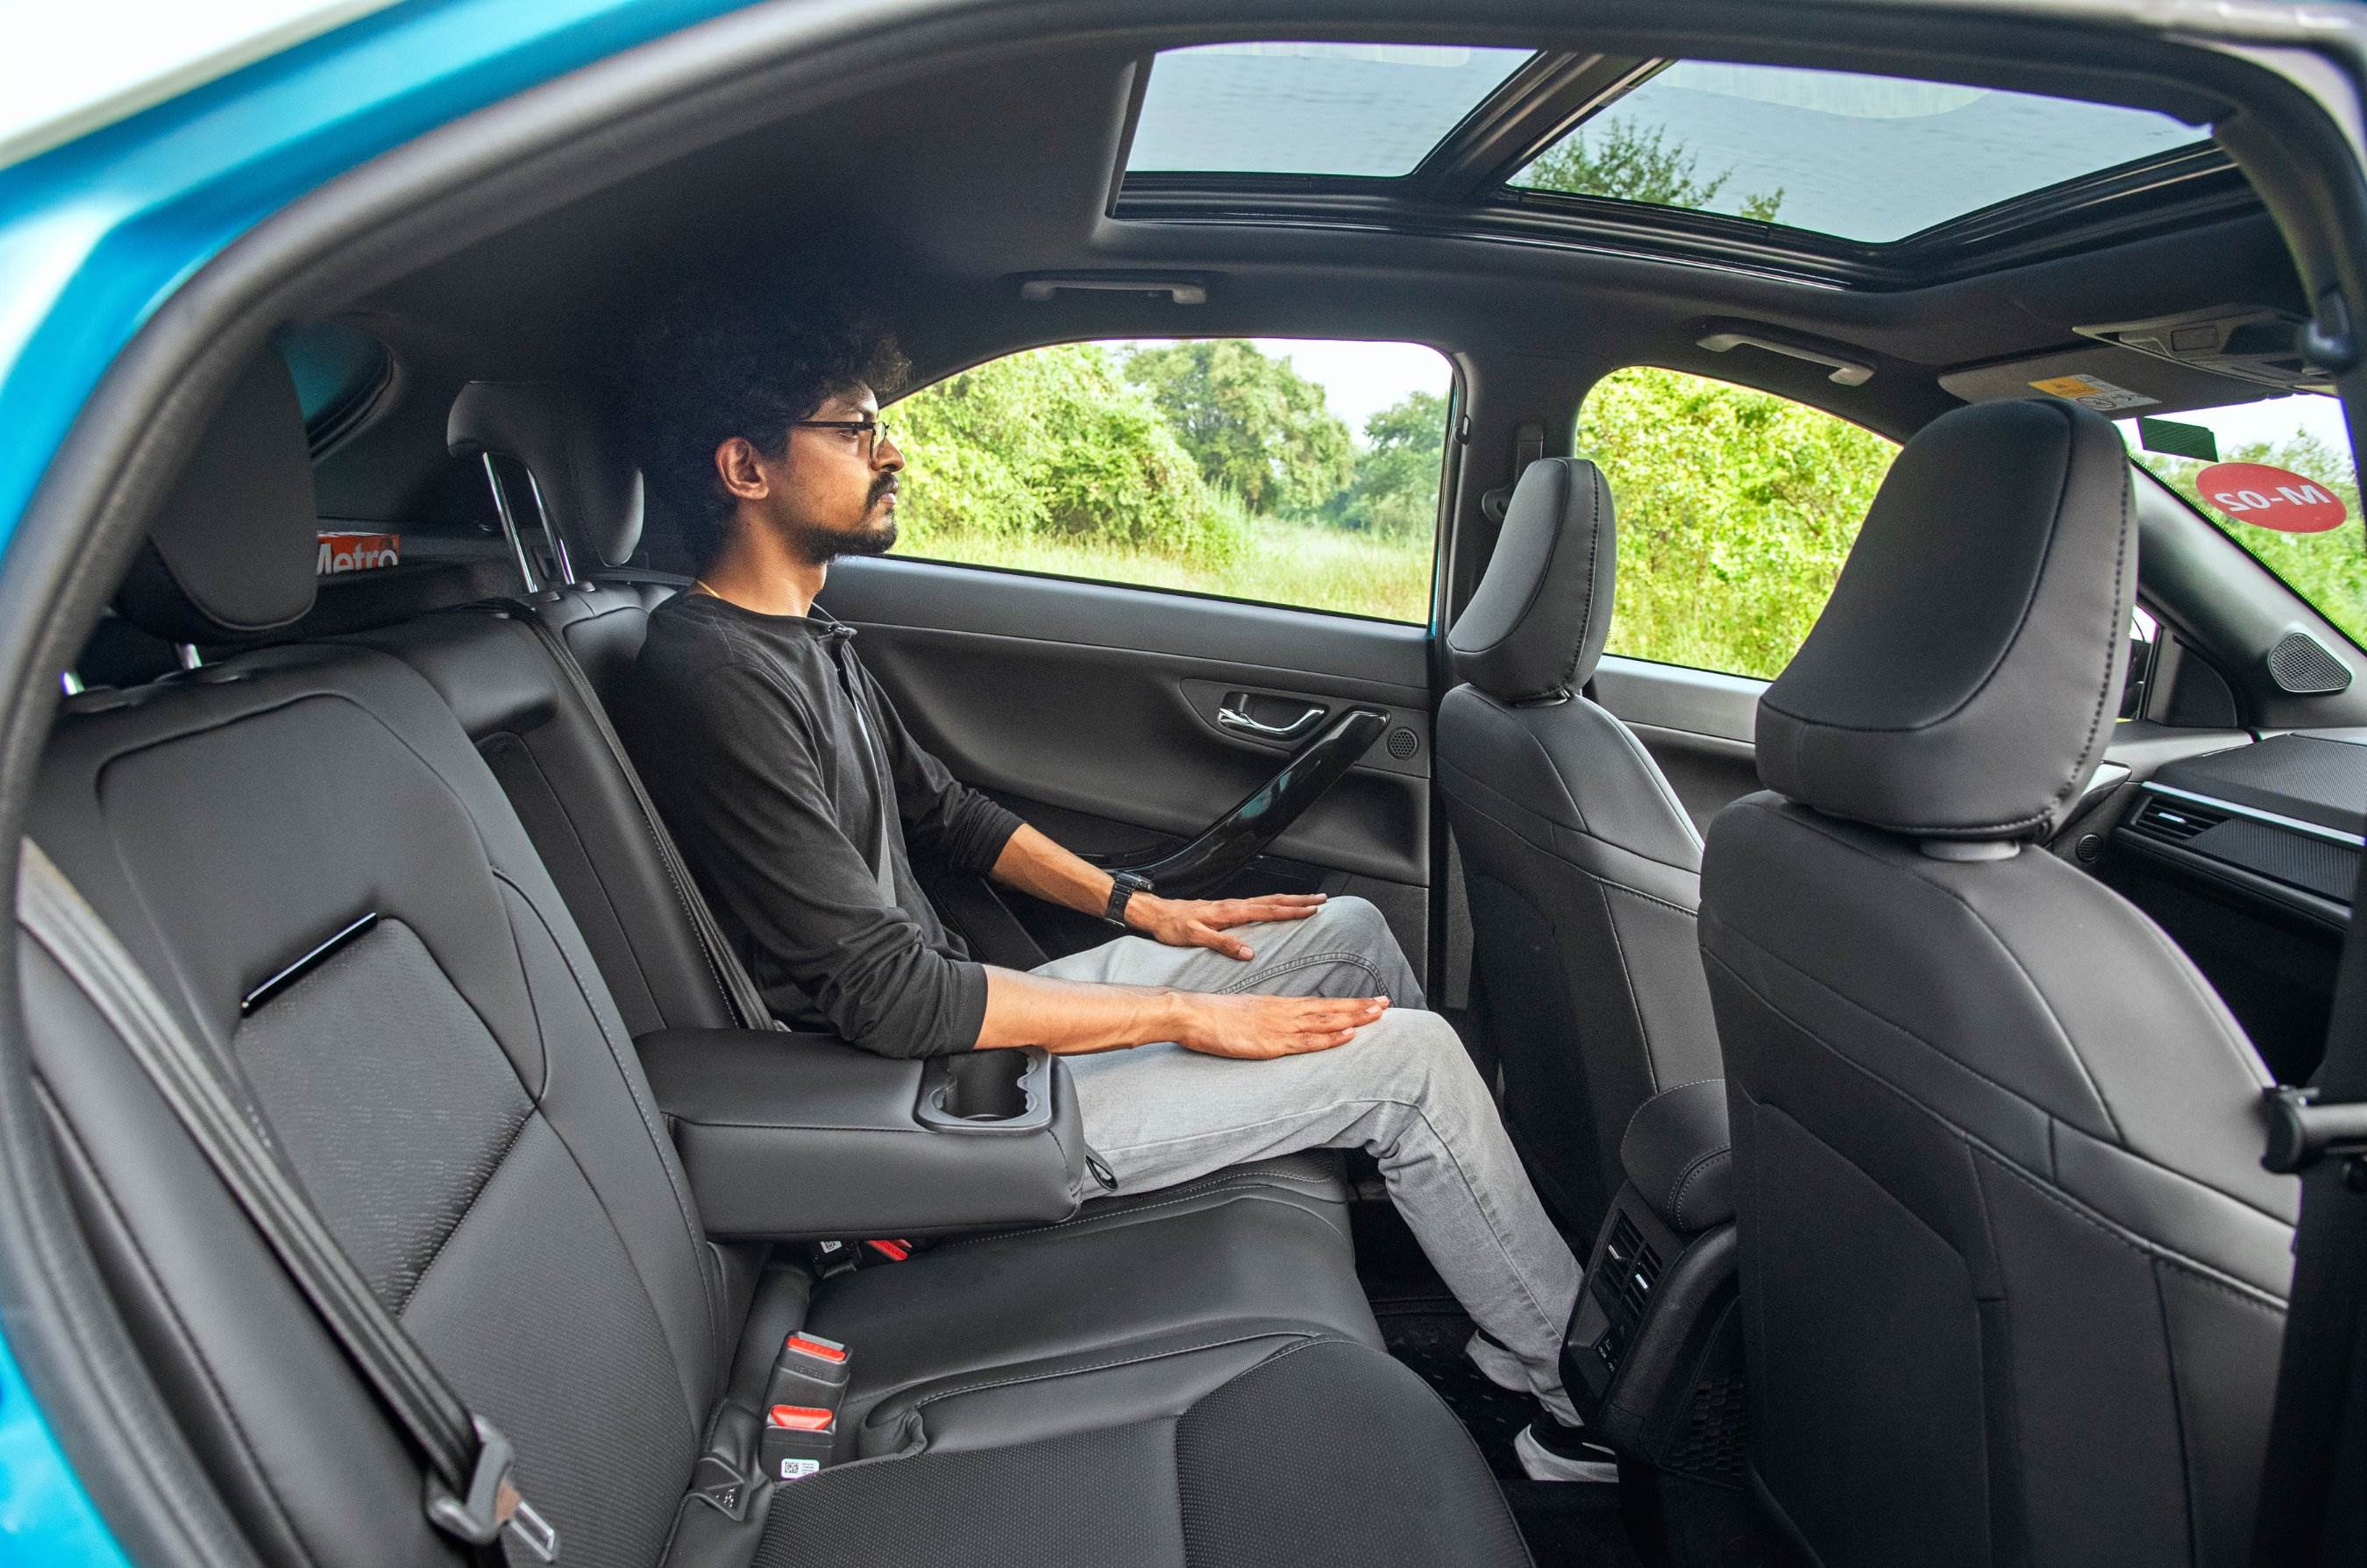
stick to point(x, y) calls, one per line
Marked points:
point(590, 489)
point(1964, 679)
point(231, 555)
point(1536, 624)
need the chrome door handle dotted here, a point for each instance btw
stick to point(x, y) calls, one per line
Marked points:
point(1233, 713)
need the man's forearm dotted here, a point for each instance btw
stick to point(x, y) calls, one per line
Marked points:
point(1068, 1017)
point(1034, 864)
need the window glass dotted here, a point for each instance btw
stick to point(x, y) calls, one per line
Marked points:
point(1307, 109)
point(1736, 509)
point(2298, 512)
point(1290, 471)
point(1870, 158)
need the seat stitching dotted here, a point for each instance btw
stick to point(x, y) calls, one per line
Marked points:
point(2087, 747)
point(1138, 1209)
point(533, 1110)
point(1997, 939)
point(2200, 1271)
point(1627, 983)
point(1160, 1354)
point(650, 1125)
point(1684, 1181)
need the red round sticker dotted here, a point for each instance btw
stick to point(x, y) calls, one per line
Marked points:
point(2271, 498)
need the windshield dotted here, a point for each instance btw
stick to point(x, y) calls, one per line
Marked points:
point(2277, 476)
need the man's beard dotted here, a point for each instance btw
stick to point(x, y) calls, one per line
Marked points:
point(823, 545)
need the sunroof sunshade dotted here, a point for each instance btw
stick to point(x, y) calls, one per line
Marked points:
point(1307, 109)
point(1867, 158)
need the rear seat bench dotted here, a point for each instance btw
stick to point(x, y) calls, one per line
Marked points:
point(1167, 1380)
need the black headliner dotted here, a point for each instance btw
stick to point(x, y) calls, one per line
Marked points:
point(937, 194)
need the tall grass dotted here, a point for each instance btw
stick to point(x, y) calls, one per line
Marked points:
point(1278, 562)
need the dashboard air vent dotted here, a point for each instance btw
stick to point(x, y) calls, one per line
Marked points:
point(2175, 820)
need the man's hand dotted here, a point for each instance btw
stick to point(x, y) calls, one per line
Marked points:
point(1203, 922)
point(1258, 1028)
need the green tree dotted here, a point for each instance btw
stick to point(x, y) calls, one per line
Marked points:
point(1395, 491)
point(1736, 510)
point(2330, 569)
point(1629, 162)
point(1054, 444)
point(1257, 427)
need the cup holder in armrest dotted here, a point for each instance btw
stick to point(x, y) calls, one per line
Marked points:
point(988, 1091)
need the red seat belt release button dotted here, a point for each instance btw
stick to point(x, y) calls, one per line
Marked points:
point(797, 1440)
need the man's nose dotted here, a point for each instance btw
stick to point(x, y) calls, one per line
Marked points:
point(886, 454)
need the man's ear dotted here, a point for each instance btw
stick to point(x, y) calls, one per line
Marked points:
point(736, 463)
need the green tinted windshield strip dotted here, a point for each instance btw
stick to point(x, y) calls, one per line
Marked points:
point(1868, 159)
point(1367, 110)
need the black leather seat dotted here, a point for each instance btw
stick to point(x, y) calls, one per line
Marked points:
point(1266, 1242)
point(456, 1093)
point(587, 493)
point(2013, 1281)
point(1583, 869)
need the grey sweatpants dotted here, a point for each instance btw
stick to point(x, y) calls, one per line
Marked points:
point(1404, 1089)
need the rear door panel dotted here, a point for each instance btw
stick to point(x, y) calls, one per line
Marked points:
point(1099, 702)
point(1698, 724)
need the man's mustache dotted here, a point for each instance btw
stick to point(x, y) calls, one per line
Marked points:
point(884, 485)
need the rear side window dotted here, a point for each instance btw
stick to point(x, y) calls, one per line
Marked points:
point(1736, 509)
point(1289, 472)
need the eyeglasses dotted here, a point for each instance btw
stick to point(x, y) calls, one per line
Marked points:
point(868, 433)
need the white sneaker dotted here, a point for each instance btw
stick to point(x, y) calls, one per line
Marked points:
point(1497, 1364)
point(1563, 1454)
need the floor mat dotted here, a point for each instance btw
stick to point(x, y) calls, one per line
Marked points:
point(1429, 1336)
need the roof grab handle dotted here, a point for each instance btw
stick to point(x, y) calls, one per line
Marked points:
point(1046, 285)
point(1847, 372)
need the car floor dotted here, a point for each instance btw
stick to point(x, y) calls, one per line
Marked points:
point(1567, 1524)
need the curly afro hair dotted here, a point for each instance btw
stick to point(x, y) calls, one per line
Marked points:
point(725, 358)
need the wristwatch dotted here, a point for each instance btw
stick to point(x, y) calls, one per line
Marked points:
point(1124, 886)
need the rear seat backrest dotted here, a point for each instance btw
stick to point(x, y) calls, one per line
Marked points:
point(547, 754)
point(453, 1085)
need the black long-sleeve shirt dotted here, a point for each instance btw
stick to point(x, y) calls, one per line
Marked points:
point(750, 732)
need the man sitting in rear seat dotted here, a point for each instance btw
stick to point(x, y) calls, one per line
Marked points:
point(1220, 1031)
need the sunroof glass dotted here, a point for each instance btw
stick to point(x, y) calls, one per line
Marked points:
point(1867, 158)
point(1309, 108)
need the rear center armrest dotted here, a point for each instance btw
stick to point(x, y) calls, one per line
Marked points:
point(1679, 1157)
point(789, 1136)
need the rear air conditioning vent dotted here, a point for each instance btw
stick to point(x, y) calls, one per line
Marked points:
point(1635, 1267)
point(2174, 820)
point(2301, 667)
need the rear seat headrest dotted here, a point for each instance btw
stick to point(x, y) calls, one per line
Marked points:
point(1536, 624)
point(589, 485)
point(231, 555)
point(1965, 678)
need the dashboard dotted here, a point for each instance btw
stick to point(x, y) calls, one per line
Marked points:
point(2247, 855)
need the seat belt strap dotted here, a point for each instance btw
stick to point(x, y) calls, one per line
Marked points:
point(470, 1494)
point(883, 786)
point(740, 997)
point(2316, 1421)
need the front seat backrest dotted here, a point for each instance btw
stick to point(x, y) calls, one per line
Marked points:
point(2013, 1279)
point(1583, 870)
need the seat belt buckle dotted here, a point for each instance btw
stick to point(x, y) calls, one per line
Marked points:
point(797, 1440)
point(810, 1371)
point(495, 1511)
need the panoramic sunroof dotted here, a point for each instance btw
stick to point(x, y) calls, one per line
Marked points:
point(1864, 158)
point(1307, 109)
